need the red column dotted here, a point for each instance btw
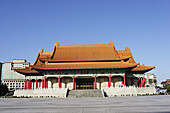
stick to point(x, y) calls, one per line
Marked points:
point(46, 83)
point(132, 81)
point(95, 82)
point(59, 83)
point(25, 85)
point(42, 83)
point(143, 81)
point(36, 83)
point(73, 82)
point(30, 85)
point(109, 82)
point(139, 85)
point(124, 80)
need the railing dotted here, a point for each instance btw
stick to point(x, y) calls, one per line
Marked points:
point(37, 93)
point(129, 91)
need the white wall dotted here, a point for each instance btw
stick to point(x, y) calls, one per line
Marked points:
point(55, 92)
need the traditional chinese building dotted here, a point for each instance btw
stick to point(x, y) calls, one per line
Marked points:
point(91, 66)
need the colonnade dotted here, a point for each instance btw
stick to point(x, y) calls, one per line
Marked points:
point(141, 81)
point(33, 84)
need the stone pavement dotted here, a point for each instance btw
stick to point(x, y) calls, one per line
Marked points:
point(139, 104)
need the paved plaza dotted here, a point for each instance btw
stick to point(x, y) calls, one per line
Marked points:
point(139, 104)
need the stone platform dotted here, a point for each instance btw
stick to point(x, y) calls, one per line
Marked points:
point(135, 104)
point(85, 93)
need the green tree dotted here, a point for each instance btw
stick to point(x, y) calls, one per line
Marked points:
point(3, 90)
point(155, 82)
point(168, 89)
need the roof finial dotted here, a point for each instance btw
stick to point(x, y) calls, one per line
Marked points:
point(111, 43)
point(56, 44)
point(127, 49)
point(40, 51)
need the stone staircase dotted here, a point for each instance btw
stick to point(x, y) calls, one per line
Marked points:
point(85, 93)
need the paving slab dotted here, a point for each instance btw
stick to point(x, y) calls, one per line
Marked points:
point(138, 104)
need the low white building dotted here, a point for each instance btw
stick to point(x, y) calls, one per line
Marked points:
point(151, 79)
point(11, 78)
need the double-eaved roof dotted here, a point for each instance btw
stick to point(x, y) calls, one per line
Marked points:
point(90, 56)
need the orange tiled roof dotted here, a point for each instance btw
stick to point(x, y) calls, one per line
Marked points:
point(143, 68)
point(85, 53)
point(85, 65)
point(90, 52)
point(126, 52)
point(42, 55)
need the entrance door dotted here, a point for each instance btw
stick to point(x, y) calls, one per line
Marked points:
point(84, 83)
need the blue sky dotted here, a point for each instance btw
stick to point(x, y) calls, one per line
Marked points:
point(142, 25)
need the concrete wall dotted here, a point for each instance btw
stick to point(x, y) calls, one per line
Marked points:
point(128, 91)
point(55, 92)
point(146, 90)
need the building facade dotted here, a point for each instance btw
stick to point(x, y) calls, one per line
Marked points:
point(151, 79)
point(11, 78)
point(1, 64)
point(166, 83)
point(90, 66)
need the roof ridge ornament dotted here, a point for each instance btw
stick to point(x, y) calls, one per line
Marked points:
point(41, 51)
point(56, 45)
point(112, 44)
point(127, 49)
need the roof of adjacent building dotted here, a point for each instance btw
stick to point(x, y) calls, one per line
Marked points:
point(89, 56)
point(26, 70)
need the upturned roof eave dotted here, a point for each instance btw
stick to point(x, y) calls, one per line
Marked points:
point(42, 68)
point(51, 60)
point(142, 70)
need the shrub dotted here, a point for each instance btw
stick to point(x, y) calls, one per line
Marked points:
point(168, 89)
point(3, 90)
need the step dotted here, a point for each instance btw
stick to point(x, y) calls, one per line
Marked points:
point(85, 93)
